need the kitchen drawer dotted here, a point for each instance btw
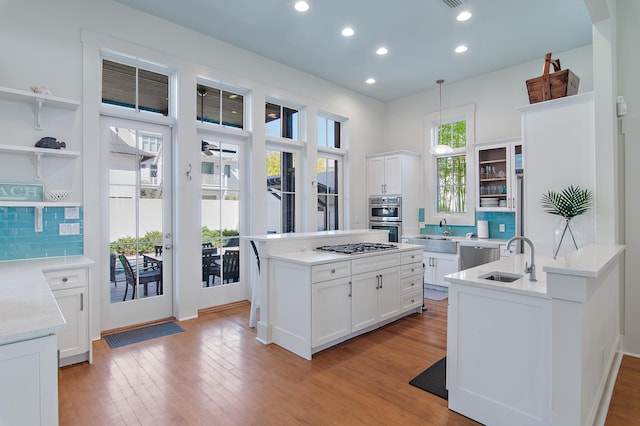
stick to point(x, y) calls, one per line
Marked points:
point(411, 256)
point(374, 263)
point(411, 269)
point(410, 284)
point(330, 271)
point(70, 278)
point(412, 300)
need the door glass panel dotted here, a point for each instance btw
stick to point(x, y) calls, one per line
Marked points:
point(220, 213)
point(281, 197)
point(135, 214)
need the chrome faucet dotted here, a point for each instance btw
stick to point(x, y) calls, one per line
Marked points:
point(447, 230)
point(531, 270)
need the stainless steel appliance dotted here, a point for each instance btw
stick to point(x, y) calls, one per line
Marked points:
point(471, 256)
point(385, 209)
point(356, 248)
point(385, 213)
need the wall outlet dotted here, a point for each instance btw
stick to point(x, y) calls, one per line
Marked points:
point(72, 212)
point(69, 229)
point(502, 228)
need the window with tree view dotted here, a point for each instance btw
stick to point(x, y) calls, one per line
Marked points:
point(452, 168)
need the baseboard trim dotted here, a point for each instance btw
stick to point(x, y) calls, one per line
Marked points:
point(219, 308)
point(606, 392)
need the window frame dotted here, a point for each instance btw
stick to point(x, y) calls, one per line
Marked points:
point(224, 87)
point(432, 216)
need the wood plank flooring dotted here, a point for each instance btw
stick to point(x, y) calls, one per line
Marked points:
point(216, 373)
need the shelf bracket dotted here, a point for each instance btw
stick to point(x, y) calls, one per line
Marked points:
point(38, 114)
point(37, 218)
point(38, 176)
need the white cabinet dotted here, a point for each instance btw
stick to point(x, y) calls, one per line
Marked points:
point(385, 175)
point(29, 385)
point(317, 306)
point(497, 179)
point(392, 173)
point(70, 288)
point(437, 265)
point(330, 302)
point(376, 297)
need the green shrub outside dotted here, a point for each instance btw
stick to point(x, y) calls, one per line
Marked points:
point(151, 239)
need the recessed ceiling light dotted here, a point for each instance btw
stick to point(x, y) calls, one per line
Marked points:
point(301, 6)
point(463, 16)
point(348, 32)
point(371, 80)
point(382, 51)
point(461, 49)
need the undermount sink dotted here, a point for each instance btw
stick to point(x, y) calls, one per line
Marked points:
point(435, 243)
point(504, 277)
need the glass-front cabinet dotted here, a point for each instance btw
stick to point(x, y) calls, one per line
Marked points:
point(498, 165)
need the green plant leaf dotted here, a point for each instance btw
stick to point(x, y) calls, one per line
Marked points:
point(571, 202)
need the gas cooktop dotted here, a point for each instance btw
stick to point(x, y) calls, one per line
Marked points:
point(357, 248)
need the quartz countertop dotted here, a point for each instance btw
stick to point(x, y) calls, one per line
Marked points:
point(313, 235)
point(589, 261)
point(315, 257)
point(28, 309)
point(510, 265)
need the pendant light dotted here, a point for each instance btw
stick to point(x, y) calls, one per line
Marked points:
point(440, 149)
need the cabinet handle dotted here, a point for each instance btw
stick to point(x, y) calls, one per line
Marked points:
point(350, 288)
point(380, 281)
point(81, 302)
point(65, 279)
point(333, 271)
point(412, 284)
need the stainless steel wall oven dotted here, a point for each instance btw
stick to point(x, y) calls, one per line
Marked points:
point(386, 213)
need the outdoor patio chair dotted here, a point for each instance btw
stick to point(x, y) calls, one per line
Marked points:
point(209, 266)
point(112, 269)
point(145, 276)
point(230, 266)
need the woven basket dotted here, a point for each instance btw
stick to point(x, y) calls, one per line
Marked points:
point(57, 195)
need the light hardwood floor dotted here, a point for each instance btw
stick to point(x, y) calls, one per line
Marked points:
point(216, 373)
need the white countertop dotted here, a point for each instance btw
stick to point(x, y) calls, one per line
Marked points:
point(589, 261)
point(586, 262)
point(314, 257)
point(27, 307)
point(511, 265)
point(319, 234)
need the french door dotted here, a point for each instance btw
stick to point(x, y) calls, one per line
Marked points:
point(137, 189)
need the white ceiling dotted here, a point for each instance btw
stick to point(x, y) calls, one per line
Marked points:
point(420, 35)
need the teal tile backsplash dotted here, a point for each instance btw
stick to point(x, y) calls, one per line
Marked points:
point(494, 219)
point(18, 239)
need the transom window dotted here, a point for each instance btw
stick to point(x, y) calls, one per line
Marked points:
point(218, 106)
point(329, 132)
point(282, 121)
point(135, 88)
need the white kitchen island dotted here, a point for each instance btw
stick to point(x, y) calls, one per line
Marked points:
point(310, 300)
point(535, 353)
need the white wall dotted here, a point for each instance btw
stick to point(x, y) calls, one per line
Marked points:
point(628, 67)
point(497, 96)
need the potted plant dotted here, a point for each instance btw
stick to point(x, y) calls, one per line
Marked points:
point(571, 202)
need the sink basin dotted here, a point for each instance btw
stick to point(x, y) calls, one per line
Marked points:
point(434, 243)
point(504, 277)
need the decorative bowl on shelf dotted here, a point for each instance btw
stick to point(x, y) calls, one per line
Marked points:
point(57, 195)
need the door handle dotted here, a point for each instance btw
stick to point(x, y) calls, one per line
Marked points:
point(167, 246)
point(81, 302)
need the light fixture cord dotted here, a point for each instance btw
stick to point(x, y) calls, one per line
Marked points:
point(440, 119)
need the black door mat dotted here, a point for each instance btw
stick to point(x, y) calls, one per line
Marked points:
point(433, 379)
